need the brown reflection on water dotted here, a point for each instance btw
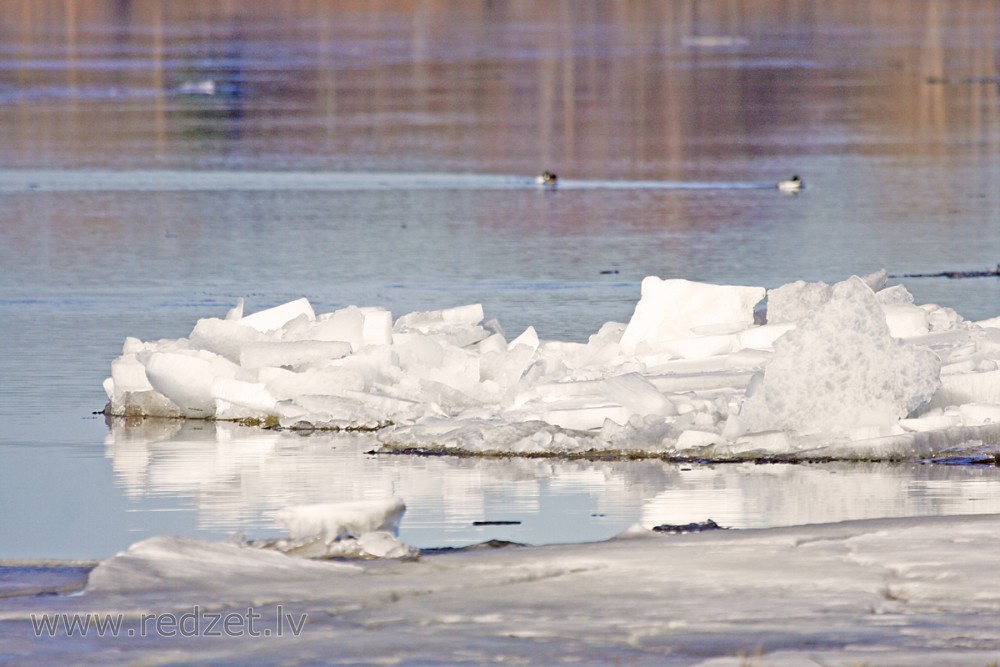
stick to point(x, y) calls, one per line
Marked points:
point(678, 90)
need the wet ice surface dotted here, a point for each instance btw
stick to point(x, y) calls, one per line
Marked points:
point(910, 592)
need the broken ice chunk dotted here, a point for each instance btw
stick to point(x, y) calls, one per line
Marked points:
point(293, 354)
point(678, 309)
point(333, 521)
point(279, 316)
point(905, 320)
point(961, 388)
point(840, 369)
point(793, 301)
point(186, 378)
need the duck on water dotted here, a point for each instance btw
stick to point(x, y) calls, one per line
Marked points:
point(547, 178)
point(793, 184)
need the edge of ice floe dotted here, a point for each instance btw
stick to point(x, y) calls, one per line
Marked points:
point(628, 376)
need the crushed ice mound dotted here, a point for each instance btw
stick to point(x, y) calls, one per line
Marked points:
point(363, 529)
point(840, 369)
point(852, 369)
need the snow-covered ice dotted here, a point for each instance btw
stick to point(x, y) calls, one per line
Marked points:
point(848, 370)
point(333, 521)
point(902, 592)
point(840, 369)
point(355, 529)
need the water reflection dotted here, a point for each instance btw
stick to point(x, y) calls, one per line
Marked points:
point(672, 90)
point(238, 477)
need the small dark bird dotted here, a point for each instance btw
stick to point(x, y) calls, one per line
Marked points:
point(547, 178)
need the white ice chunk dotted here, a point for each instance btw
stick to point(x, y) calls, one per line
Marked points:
point(693, 438)
point(894, 295)
point(359, 409)
point(294, 354)
point(436, 320)
point(528, 338)
point(961, 388)
point(377, 328)
point(873, 432)
point(133, 345)
point(236, 312)
point(637, 394)
point(186, 379)
point(470, 314)
point(585, 417)
point(585, 405)
point(346, 324)
point(675, 309)
point(375, 364)
point(505, 367)
point(129, 375)
point(793, 301)
point(416, 351)
point(252, 397)
point(284, 384)
point(905, 321)
point(980, 413)
point(383, 544)
point(930, 423)
point(875, 281)
point(940, 318)
point(494, 344)
point(699, 348)
point(763, 337)
point(841, 369)
point(457, 326)
point(630, 389)
point(225, 337)
point(764, 442)
point(333, 521)
point(277, 317)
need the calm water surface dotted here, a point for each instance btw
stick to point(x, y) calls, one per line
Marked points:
point(383, 156)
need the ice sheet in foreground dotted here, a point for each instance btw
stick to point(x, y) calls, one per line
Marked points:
point(852, 370)
point(897, 592)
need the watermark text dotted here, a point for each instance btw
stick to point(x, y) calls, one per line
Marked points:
point(196, 622)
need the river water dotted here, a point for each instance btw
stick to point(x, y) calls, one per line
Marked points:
point(160, 160)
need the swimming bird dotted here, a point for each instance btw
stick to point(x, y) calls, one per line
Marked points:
point(793, 184)
point(547, 178)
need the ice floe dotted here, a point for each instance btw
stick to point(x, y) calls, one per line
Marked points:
point(849, 370)
point(919, 591)
point(358, 529)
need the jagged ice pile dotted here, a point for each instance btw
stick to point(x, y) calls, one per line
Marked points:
point(849, 370)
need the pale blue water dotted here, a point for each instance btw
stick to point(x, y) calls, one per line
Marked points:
point(385, 157)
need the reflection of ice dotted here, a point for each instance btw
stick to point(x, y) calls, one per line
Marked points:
point(754, 496)
point(240, 477)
